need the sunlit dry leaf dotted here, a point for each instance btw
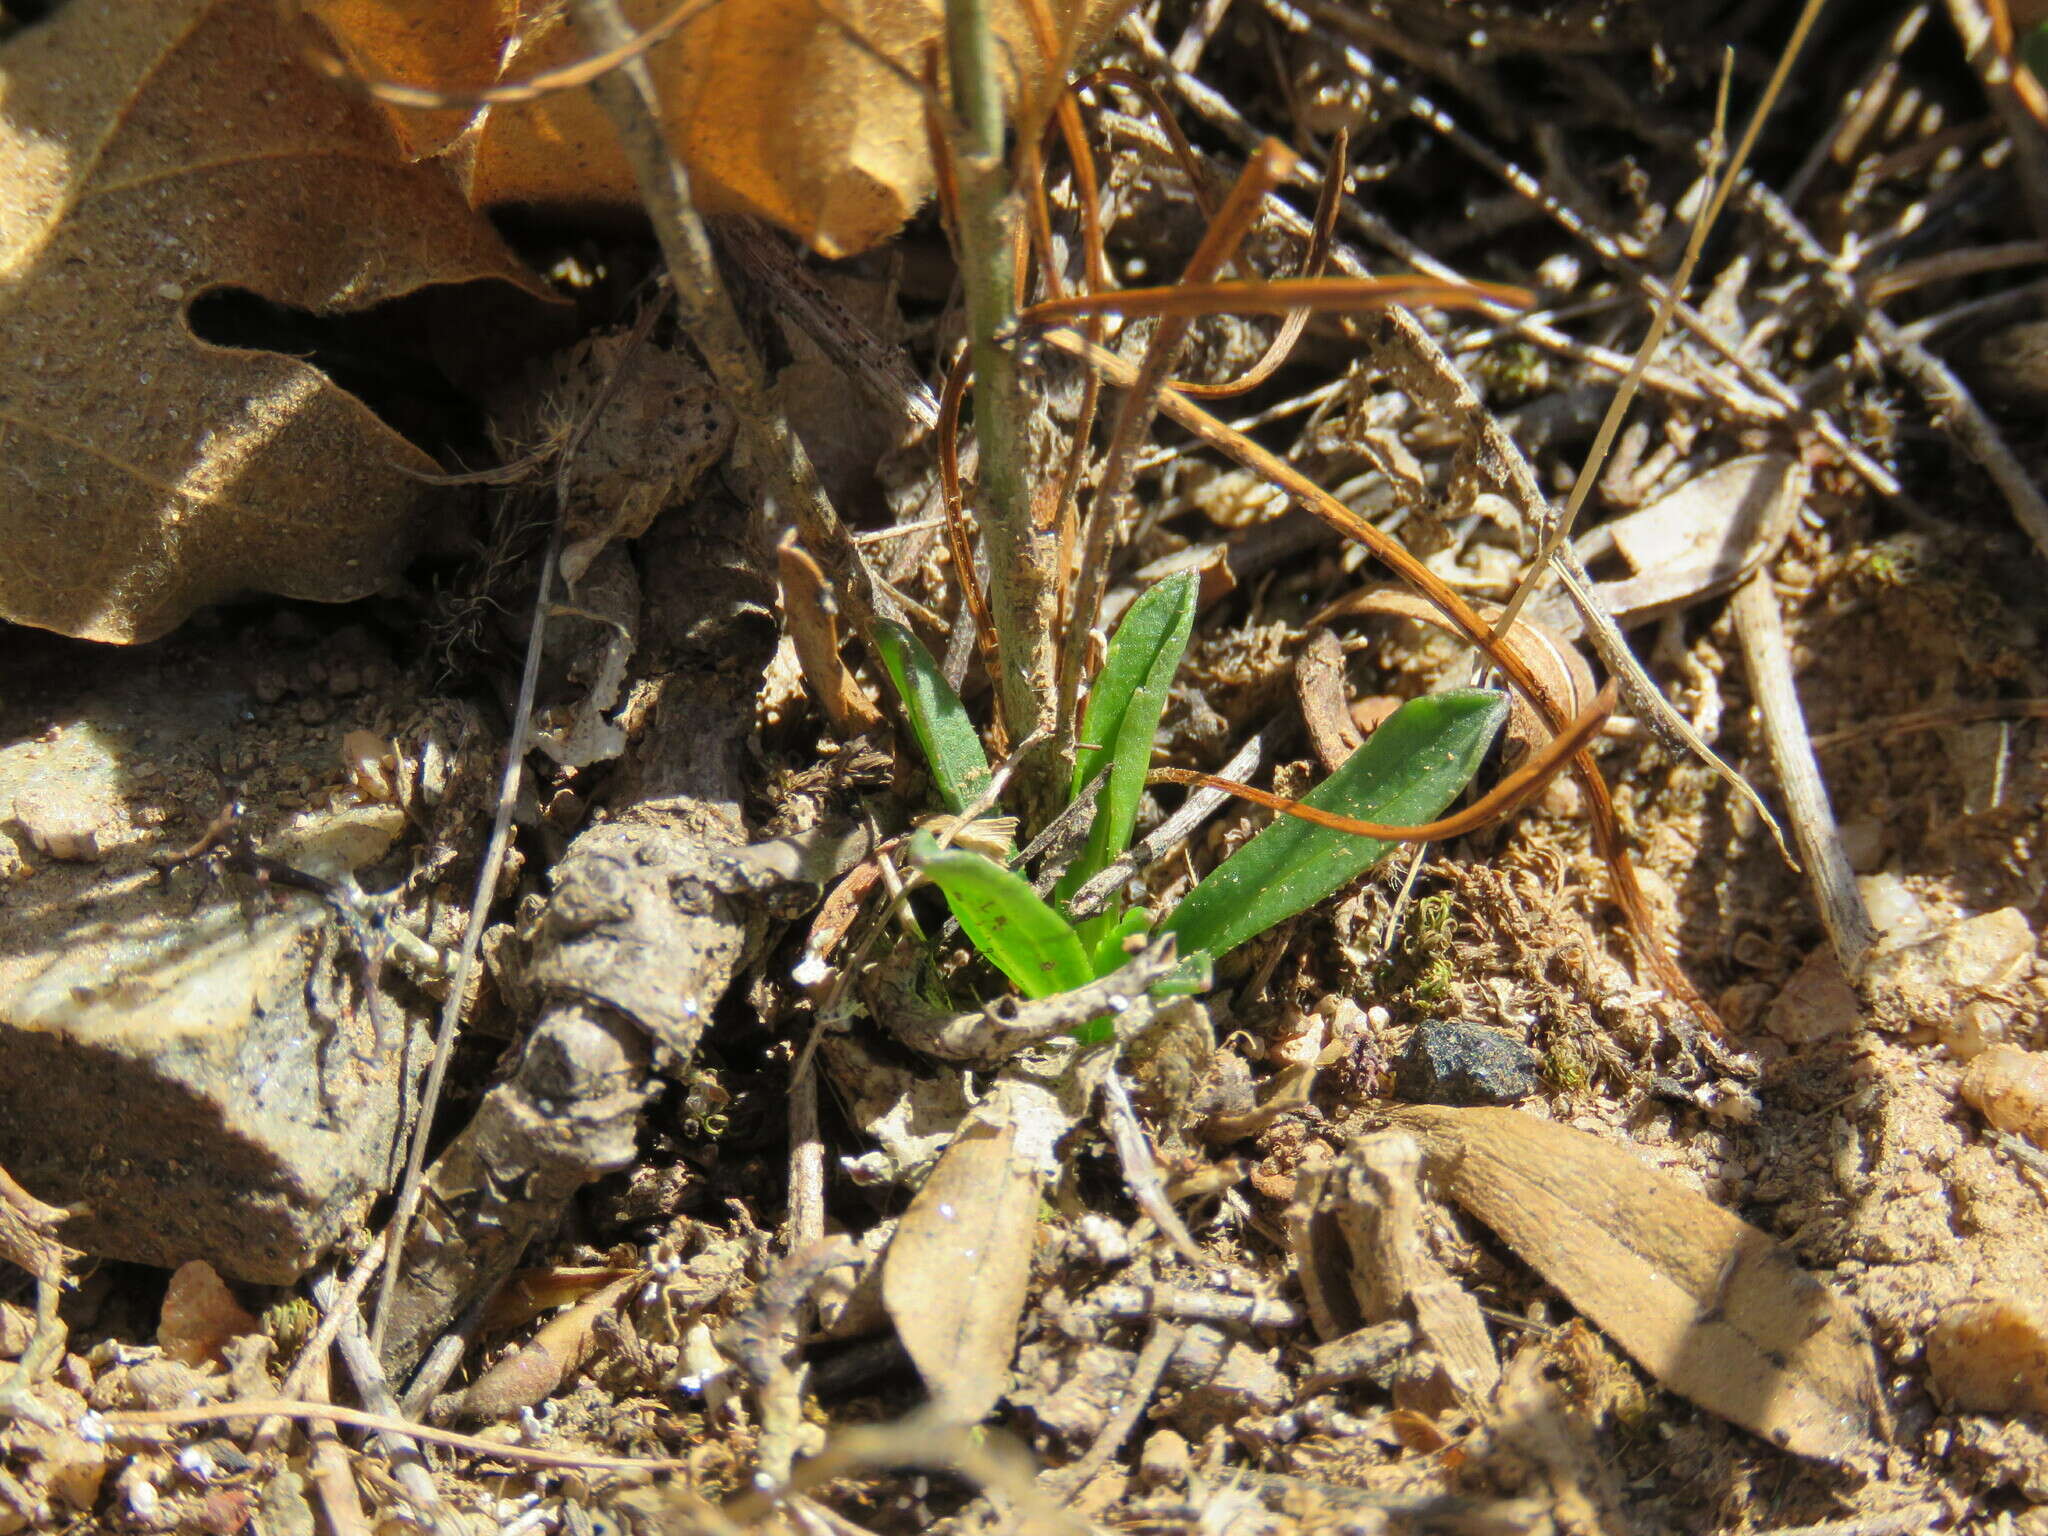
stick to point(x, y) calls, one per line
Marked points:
point(1702, 538)
point(534, 1370)
point(150, 155)
point(775, 110)
point(959, 1265)
point(1707, 1304)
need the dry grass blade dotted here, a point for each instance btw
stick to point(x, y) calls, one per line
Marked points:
point(139, 1424)
point(1768, 654)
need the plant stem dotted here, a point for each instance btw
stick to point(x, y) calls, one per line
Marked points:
point(771, 460)
point(1021, 552)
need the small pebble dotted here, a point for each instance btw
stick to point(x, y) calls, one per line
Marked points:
point(58, 824)
point(2009, 1088)
point(268, 685)
point(1166, 1460)
point(1990, 1355)
point(1816, 1004)
point(1456, 1063)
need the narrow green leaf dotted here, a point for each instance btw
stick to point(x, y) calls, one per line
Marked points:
point(947, 737)
point(1104, 934)
point(1123, 717)
point(1005, 920)
point(1410, 769)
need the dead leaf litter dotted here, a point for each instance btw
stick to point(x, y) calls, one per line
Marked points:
point(750, 1195)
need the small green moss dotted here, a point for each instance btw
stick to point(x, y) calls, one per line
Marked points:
point(290, 1323)
point(1514, 371)
point(1565, 1066)
point(1426, 947)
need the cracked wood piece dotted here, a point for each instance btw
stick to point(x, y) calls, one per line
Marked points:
point(1709, 1305)
point(1325, 699)
point(1394, 1276)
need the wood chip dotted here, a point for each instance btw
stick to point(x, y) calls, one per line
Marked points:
point(1325, 699)
point(1701, 539)
point(1709, 1305)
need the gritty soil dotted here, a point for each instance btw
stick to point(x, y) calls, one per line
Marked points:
point(1831, 1121)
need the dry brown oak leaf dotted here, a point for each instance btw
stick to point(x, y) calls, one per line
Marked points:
point(774, 109)
point(150, 154)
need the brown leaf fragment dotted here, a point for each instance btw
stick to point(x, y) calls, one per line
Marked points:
point(956, 1273)
point(776, 108)
point(1709, 1305)
point(811, 618)
point(533, 1371)
point(151, 156)
point(1701, 539)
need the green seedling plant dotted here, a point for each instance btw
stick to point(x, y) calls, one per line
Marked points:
point(1409, 771)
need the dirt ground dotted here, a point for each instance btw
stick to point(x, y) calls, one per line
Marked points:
point(1263, 1320)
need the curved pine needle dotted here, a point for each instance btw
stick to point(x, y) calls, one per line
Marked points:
point(1279, 296)
point(1328, 201)
point(1498, 802)
point(1166, 122)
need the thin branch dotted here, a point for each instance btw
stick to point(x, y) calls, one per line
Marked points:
point(1768, 656)
point(1023, 550)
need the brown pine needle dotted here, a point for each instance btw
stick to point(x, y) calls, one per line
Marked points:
point(1280, 296)
point(1500, 801)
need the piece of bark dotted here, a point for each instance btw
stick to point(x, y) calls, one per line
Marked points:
point(647, 924)
point(28, 1229)
point(1709, 1305)
point(1325, 700)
